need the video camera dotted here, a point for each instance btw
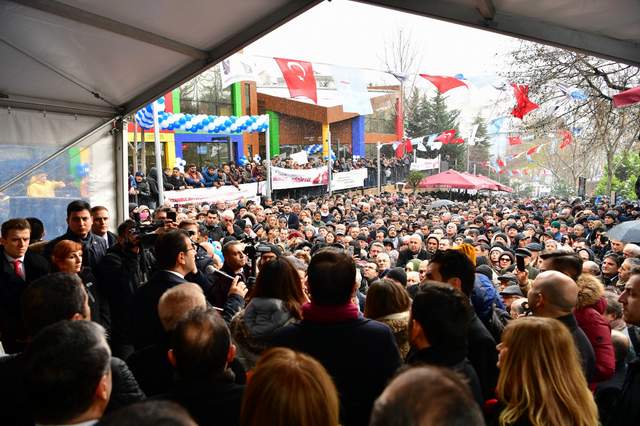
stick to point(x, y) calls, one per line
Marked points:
point(146, 231)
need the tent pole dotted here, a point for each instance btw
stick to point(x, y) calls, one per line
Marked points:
point(156, 146)
point(268, 153)
point(330, 162)
point(378, 159)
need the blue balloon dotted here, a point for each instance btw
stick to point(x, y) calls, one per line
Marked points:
point(182, 120)
point(227, 122)
point(160, 100)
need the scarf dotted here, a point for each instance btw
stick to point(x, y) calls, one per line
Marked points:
point(330, 314)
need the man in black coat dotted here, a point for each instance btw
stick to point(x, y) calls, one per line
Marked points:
point(175, 258)
point(52, 298)
point(554, 295)
point(293, 221)
point(100, 225)
point(235, 265)
point(79, 221)
point(626, 411)
point(454, 268)
point(333, 327)
point(438, 330)
point(19, 267)
point(124, 269)
point(414, 251)
point(150, 365)
point(201, 353)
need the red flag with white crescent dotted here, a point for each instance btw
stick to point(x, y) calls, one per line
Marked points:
point(567, 138)
point(446, 137)
point(299, 78)
point(515, 140)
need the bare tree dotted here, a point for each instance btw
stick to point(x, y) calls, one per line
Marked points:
point(553, 75)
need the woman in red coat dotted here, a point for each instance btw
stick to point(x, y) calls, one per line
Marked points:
point(589, 313)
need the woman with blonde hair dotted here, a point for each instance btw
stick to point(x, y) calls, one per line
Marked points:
point(541, 380)
point(289, 388)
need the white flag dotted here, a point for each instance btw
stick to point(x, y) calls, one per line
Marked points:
point(472, 137)
point(300, 157)
point(352, 88)
point(237, 68)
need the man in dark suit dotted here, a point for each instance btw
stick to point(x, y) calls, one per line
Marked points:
point(100, 225)
point(79, 221)
point(19, 267)
point(175, 258)
point(293, 221)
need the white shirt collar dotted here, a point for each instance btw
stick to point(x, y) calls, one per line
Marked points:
point(175, 273)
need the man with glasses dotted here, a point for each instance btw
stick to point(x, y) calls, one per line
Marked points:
point(175, 257)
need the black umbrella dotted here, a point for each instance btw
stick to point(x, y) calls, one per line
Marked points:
point(629, 232)
point(441, 203)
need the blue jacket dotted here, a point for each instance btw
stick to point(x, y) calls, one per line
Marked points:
point(211, 179)
point(483, 296)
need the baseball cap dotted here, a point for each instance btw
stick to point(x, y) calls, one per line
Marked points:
point(512, 290)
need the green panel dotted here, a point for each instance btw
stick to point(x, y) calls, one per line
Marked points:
point(236, 99)
point(74, 160)
point(274, 133)
point(175, 94)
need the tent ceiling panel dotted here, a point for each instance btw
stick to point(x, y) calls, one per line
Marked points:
point(20, 75)
point(609, 29)
point(128, 52)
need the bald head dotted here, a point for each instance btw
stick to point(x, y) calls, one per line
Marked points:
point(590, 267)
point(553, 294)
point(177, 302)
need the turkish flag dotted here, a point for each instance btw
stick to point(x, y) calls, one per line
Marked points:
point(500, 162)
point(515, 140)
point(443, 83)
point(523, 104)
point(446, 137)
point(457, 141)
point(408, 148)
point(299, 78)
point(399, 147)
point(567, 138)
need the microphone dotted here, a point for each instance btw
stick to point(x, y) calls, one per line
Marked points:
point(211, 270)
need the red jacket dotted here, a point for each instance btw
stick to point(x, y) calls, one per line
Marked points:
point(590, 316)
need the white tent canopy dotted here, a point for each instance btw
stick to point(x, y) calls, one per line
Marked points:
point(609, 29)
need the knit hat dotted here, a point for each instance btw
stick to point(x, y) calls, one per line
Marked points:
point(468, 251)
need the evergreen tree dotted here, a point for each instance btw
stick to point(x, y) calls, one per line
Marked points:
point(479, 153)
point(427, 116)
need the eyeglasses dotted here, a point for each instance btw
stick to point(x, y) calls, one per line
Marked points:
point(505, 259)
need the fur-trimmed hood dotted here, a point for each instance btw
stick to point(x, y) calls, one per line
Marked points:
point(590, 291)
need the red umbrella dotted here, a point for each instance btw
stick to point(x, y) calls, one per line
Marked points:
point(449, 179)
point(482, 183)
point(498, 185)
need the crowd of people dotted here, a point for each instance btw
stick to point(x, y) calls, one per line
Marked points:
point(348, 309)
point(143, 189)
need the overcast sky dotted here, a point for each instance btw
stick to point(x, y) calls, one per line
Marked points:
point(353, 34)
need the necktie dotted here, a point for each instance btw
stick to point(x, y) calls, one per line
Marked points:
point(17, 269)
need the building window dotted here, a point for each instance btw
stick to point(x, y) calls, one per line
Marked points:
point(204, 154)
